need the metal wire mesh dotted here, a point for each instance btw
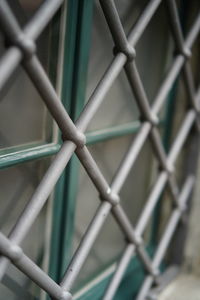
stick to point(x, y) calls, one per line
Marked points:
point(22, 50)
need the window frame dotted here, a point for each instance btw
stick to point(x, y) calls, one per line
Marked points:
point(77, 43)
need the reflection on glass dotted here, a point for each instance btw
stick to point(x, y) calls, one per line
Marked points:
point(110, 243)
point(17, 186)
point(119, 106)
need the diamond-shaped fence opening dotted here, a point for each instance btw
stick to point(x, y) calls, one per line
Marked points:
point(22, 49)
point(101, 254)
point(134, 193)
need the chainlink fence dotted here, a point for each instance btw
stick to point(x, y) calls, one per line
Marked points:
point(22, 50)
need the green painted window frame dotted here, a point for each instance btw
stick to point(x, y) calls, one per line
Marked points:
point(76, 56)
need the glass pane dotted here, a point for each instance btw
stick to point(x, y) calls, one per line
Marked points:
point(23, 115)
point(110, 243)
point(30, 6)
point(138, 185)
point(17, 186)
point(24, 9)
point(119, 106)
